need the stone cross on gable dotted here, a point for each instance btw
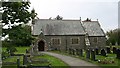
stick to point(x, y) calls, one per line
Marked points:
point(41, 31)
point(41, 35)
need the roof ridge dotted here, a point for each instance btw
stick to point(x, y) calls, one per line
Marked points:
point(60, 20)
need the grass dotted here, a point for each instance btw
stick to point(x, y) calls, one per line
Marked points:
point(12, 59)
point(55, 62)
point(111, 57)
point(20, 50)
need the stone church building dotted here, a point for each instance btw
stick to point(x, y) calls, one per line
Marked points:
point(64, 34)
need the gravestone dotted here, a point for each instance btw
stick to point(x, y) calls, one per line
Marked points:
point(88, 54)
point(96, 51)
point(18, 63)
point(81, 52)
point(108, 50)
point(24, 59)
point(70, 51)
point(77, 51)
point(103, 52)
point(118, 54)
point(114, 50)
point(27, 51)
point(92, 55)
point(73, 51)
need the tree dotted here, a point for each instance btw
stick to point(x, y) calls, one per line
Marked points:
point(113, 36)
point(17, 12)
point(21, 36)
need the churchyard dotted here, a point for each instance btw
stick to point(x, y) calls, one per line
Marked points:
point(22, 59)
point(106, 58)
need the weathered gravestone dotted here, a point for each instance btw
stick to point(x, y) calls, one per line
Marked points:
point(118, 54)
point(27, 51)
point(24, 59)
point(103, 52)
point(73, 51)
point(96, 51)
point(81, 52)
point(77, 51)
point(114, 50)
point(18, 63)
point(108, 50)
point(70, 51)
point(88, 54)
point(92, 55)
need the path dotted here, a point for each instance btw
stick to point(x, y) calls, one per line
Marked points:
point(73, 62)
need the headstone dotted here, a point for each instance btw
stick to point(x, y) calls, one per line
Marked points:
point(114, 50)
point(81, 52)
point(88, 54)
point(103, 52)
point(77, 51)
point(18, 63)
point(118, 54)
point(92, 55)
point(27, 51)
point(108, 50)
point(70, 52)
point(96, 51)
point(24, 59)
point(73, 51)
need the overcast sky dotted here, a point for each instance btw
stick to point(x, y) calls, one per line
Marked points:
point(106, 11)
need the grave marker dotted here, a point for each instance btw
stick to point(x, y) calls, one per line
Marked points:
point(103, 52)
point(88, 54)
point(114, 50)
point(118, 54)
point(24, 59)
point(70, 52)
point(81, 52)
point(77, 51)
point(96, 51)
point(18, 63)
point(108, 50)
point(73, 51)
point(92, 55)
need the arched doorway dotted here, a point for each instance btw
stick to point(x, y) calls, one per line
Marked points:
point(41, 45)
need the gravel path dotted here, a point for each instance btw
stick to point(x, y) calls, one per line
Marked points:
point(73, 62)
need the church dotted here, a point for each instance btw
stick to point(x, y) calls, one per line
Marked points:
point(52, 34)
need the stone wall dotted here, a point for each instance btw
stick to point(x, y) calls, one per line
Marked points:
point(101, 42)
point(66, 42)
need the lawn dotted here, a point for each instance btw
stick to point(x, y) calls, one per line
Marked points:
point(55, 62)
point(99, 57)
point(20, 50)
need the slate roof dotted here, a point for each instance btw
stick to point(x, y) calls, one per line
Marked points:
point(58, 27)
point(67, 27)
point(93, 28)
